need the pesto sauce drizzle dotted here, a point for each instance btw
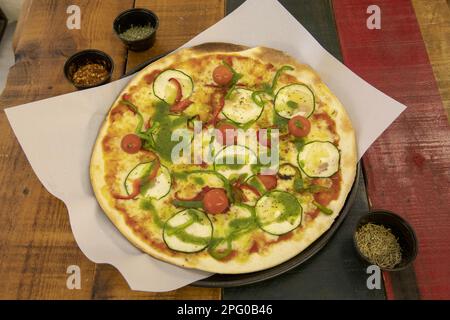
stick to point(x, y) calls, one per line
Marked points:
point(146, 204)
point(163, 138)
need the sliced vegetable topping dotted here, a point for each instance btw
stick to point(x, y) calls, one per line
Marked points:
point(215, 201)
point(228, 133)
point(167, 85)
point(319, 159)
point(235, 160)
point(180, 106)
point(187, 203)
point(322, 208)
point(264, 137)
point(178, 88)
point(278, 212)
point(294, 99)
point(217, 103)
point(131, 143)
point(222, 75)
point(277, 76)
point(299, 126)
point(188, 231)
point(235, 78)
point(269, 181)
point(153, 183)
point(240, 107)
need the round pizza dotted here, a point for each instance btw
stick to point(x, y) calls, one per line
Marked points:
point(224, 158)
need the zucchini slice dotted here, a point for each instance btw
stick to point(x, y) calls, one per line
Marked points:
point(188, 231)
point(278, 212)
point(241, 108)
point(157, 188)
point(295, 100)
point(235, 160)
point(166, 91)
point(319, 159)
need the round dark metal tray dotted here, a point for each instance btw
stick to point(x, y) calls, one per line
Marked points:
point(235, 280)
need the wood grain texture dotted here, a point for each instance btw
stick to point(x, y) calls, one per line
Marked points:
point(408, 167)
point(179, 21)
point(36, 243)
point(434, 22)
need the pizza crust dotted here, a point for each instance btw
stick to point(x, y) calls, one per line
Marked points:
point(281, 251)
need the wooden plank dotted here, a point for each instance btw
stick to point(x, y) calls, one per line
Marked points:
point(36, 243)
point(109, 284)
point(434, 22)
point(179, 21)
point(407, 168)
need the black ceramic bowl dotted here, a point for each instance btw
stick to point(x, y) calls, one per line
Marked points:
point(84, 57)
point(401, 230)
point(137, 17)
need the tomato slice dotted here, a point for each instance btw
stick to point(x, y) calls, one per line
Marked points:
point(299, 126)
point(228, 134)
point(269, 181)
point(131, 143)
point(215, 201)
point(222, 75)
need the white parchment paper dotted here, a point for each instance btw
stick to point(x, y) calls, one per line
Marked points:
point(57, 136)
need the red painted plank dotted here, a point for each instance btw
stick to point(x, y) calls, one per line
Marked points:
point(408, 167)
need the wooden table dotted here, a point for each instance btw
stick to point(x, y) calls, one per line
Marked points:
point(36, 243)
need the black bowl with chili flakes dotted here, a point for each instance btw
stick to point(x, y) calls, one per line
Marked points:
point(89, 68)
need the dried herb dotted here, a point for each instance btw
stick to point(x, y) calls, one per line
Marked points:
point(90, 74)
point(135, 33)
point(379, 245)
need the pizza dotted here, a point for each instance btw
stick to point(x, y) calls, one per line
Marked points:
point(224, 158)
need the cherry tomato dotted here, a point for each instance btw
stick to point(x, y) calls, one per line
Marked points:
point(222, 75)
point(228, 132)
point(299, 126)
point(269, 181)
point(131, 143)
point(215, 201)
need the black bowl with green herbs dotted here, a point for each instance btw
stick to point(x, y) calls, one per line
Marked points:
point(137, 28)
point(89, 68)
point(385, 239)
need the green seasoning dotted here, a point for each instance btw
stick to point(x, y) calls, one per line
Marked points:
point(278, 212)
point(379, 245)
point(135, 33)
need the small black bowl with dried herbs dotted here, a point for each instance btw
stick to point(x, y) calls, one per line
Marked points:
point(137, 28)
point(385, 239)
point(89, 68)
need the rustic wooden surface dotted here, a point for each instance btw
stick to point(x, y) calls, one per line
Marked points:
point(434, 22)
point(407, 168)
point(36, 242)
